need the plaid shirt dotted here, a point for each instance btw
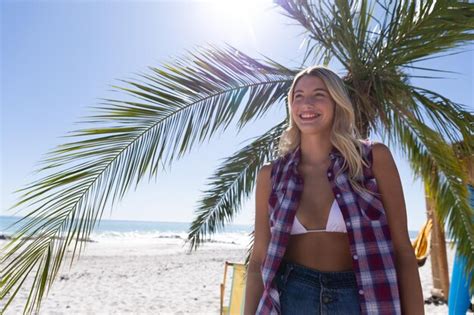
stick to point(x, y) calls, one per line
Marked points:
point(367, 228)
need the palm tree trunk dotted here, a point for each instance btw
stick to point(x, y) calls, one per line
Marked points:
point(467, 161)
point(439, 260)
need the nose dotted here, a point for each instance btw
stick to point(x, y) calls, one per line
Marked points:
point(309, 100)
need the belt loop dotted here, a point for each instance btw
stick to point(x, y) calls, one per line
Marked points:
point(322, 280)
point(288, 269)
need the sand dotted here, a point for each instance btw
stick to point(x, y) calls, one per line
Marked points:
point(153, 277)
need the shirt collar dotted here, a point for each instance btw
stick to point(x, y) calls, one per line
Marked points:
point(295, 155)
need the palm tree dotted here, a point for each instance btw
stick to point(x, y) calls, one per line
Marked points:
point(194, 97)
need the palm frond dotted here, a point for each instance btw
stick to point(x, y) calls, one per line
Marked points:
point(418, 29)
point(232, 181)
point(183, 103)
point(190, 100)
point(435, 161)
point(410, 30)
point(451, 120)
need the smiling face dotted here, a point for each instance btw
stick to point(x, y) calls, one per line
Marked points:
point(312, 106)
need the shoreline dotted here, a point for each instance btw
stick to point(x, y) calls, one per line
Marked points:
point(156, 276)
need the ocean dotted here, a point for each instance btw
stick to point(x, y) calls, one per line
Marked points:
point(121, 230)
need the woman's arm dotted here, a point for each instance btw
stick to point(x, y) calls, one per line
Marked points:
point(389, 184)
point(254, 283)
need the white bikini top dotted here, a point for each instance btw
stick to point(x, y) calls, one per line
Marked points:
point(335, 222)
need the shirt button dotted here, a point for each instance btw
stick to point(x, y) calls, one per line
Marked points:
point(361, 292)
point(348, 224)
point(326, 299)
point(338, 195)
point(329, 174)
point(355, 257)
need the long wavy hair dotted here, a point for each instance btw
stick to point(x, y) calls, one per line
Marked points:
point(344, 134)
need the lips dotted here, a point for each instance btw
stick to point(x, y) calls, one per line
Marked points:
point(309, 116)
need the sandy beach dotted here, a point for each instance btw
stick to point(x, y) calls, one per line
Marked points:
point(153, 277)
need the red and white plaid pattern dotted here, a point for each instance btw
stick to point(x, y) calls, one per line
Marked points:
point(368, 231)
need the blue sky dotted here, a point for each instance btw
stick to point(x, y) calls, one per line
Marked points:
point(58, 58)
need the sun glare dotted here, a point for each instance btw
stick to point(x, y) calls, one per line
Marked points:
point(240, 8)
point(241, 15)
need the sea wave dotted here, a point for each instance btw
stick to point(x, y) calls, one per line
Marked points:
point(236, 238)
point(242, 238)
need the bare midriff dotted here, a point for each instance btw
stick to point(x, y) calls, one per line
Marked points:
point(324, 251)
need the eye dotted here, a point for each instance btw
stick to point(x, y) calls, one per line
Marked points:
point(317, 94)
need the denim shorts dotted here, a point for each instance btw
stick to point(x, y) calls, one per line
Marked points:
point(305, 290)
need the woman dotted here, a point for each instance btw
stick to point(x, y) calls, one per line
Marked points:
point(330, 226)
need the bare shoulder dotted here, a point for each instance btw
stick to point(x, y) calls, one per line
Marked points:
point(381, 156)
point(378, 153)
point(265, 171)
point(263, 181)
point(385, 169)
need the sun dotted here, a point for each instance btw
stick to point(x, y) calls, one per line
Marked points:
point(240, 16)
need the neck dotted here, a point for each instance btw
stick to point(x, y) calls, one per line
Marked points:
point(315, 151)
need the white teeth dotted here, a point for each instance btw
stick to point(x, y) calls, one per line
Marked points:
point(307, 116)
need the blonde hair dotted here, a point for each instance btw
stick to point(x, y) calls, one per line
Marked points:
point(344, 134)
